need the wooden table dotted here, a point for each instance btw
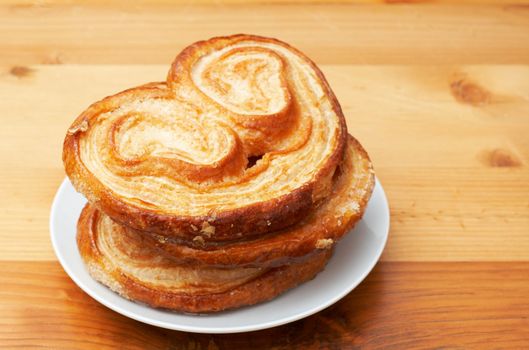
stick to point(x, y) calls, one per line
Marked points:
point(437, 92)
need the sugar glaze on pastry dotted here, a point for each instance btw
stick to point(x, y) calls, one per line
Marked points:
point(224, 186)
point(166, 157)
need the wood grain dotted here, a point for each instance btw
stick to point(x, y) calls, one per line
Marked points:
point(437, 91)
point(399, 306)
point(334, 33)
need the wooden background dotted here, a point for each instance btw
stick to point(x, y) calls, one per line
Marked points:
point(438, 92)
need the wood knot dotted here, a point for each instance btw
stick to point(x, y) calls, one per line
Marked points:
point(466, 91)
point(21, 71)
point(499, 158)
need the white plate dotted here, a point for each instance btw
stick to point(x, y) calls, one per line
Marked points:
point(354, 258)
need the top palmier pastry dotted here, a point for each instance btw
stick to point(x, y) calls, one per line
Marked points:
point(243, 138)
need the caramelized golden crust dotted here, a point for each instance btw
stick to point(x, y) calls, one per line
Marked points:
point(174, 158)
point(224, 186)
point(324, 225)
point(139, 273)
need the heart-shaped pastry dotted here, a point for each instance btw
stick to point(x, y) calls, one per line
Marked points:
point(224, 186)
point(242, 139)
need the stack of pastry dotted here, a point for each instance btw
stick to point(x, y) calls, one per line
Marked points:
point(224, 186)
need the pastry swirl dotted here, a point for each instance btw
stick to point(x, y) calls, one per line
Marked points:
point(177, 158)
point(224, 186)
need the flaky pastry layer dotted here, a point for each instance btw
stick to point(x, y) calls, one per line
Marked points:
point(242, 139)
point(138, 272)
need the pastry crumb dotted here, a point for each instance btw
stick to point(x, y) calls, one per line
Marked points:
point(194, 228)
point(207, 229)
point(81, 127)
point(361, 192)
point(324, 243)
point(199, 240)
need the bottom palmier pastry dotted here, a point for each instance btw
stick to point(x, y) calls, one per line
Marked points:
point(138, 272)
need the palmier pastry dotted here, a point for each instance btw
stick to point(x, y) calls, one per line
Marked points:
point(325, 224)
point(138, 272)
point(223, 186)
point(243, 138)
